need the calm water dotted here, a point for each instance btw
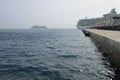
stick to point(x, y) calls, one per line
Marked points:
point(50, 55)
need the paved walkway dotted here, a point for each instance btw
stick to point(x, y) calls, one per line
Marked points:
point(113, 35)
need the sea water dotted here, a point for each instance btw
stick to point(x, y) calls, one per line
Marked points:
point(51, 54)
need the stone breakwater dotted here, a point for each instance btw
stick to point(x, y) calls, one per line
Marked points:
point(108, 41)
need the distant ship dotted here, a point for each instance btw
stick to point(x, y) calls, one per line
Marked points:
point(108, 21)
point(39, 27)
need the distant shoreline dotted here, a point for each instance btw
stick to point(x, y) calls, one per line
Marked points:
point(39, 27)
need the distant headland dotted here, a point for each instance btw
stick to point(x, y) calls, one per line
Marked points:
point(39, 27)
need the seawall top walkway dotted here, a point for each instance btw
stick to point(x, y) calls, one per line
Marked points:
point(113, 35)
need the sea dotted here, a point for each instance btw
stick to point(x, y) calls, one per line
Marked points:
point(51, 54)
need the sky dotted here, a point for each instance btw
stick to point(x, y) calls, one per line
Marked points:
point(52, 13)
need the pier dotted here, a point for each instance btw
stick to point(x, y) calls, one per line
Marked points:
point(108, 41)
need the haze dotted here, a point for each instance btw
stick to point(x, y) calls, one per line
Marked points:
point(52, 13)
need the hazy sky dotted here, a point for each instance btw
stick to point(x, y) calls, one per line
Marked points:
point(52, 13)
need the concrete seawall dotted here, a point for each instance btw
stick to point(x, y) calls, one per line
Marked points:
point(109, 42)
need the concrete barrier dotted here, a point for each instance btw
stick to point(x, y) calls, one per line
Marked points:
point(110, 44)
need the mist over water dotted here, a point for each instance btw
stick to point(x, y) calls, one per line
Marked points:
point(64, 54)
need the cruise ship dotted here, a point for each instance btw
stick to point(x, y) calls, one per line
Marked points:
point(108, 21)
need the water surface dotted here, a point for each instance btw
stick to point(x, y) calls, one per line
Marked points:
point(50, 55)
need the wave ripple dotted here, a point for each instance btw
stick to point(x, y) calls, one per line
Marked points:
point(50, 55)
